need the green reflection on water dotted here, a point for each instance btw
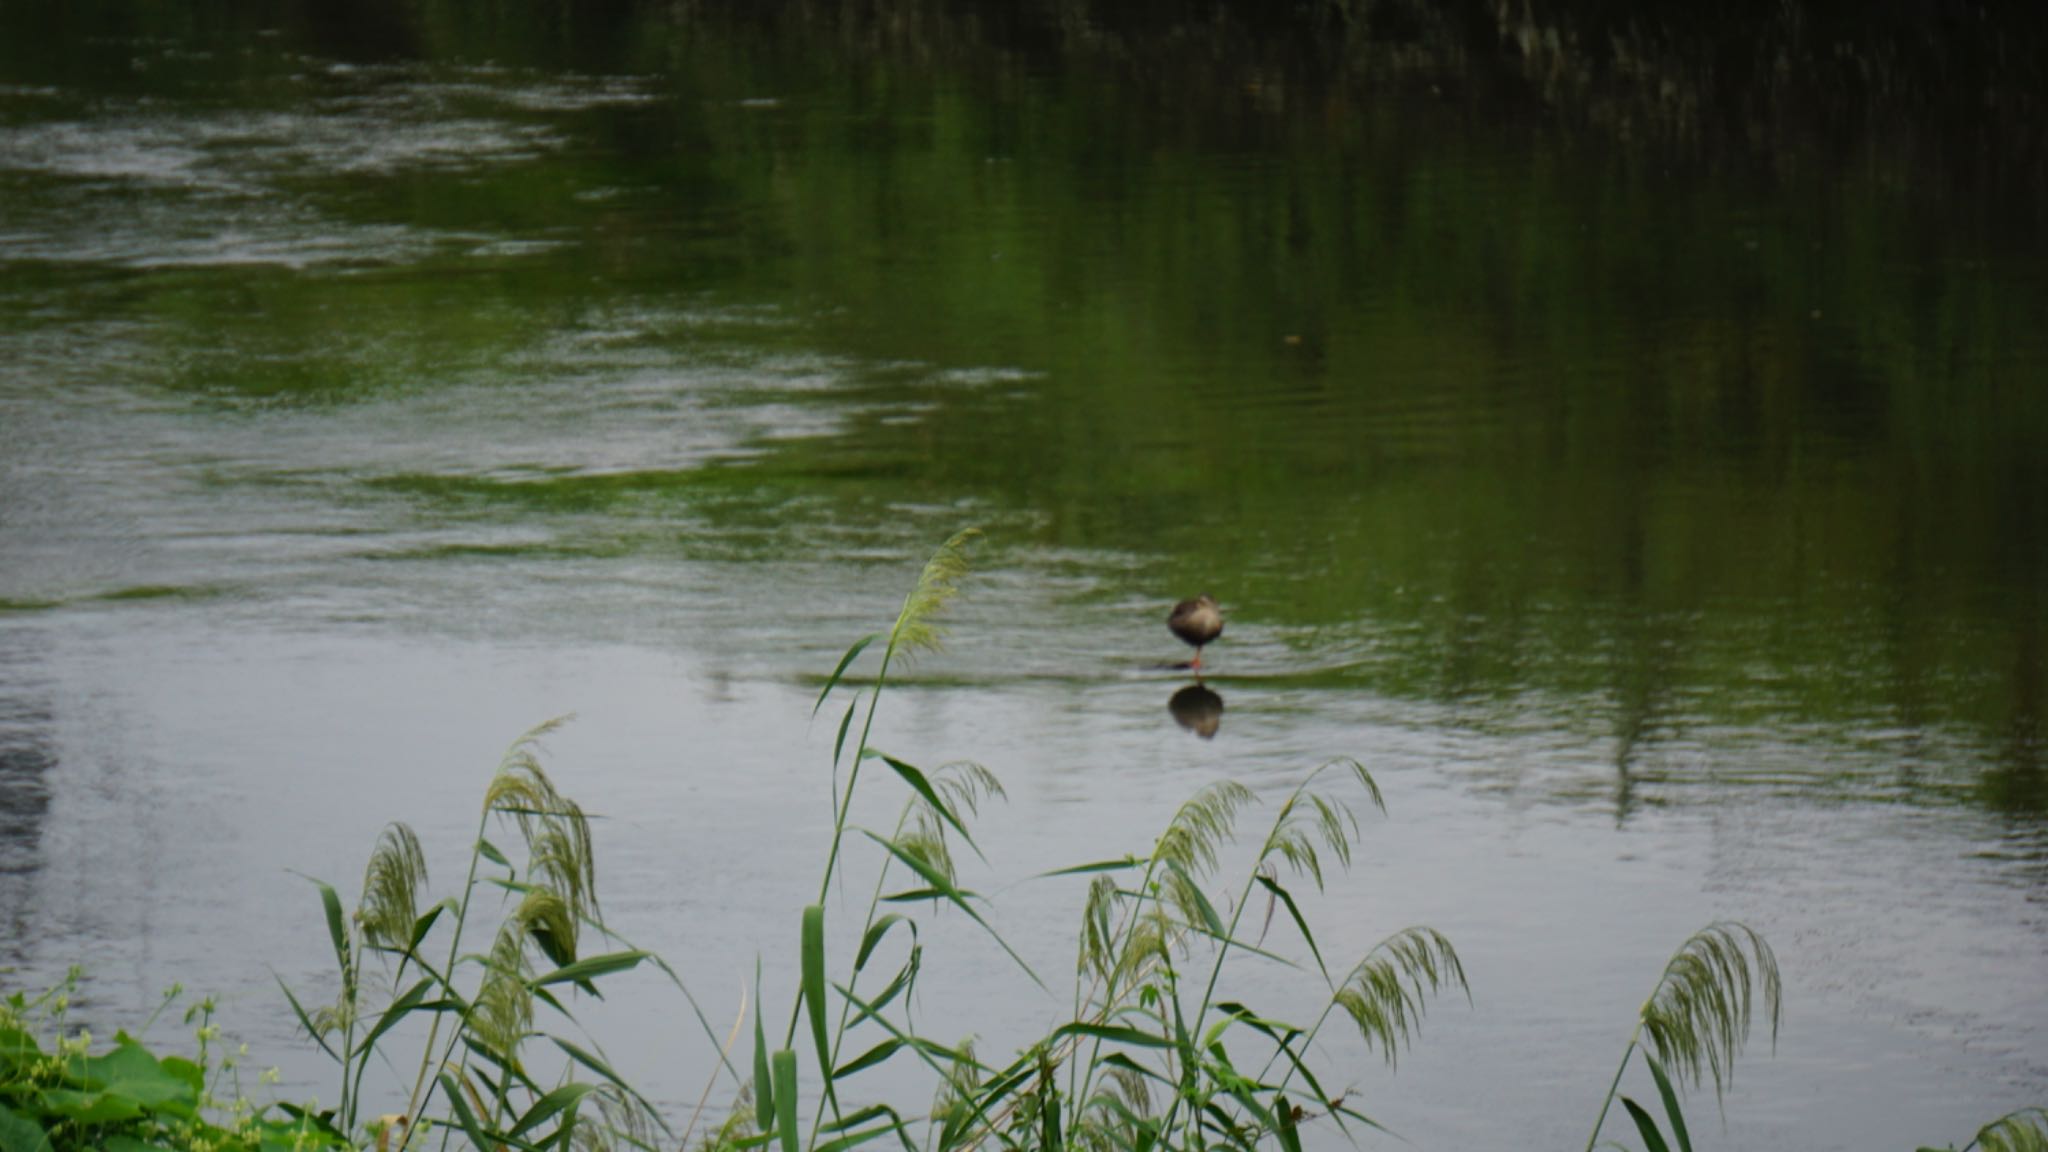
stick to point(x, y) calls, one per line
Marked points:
point(1459, 407)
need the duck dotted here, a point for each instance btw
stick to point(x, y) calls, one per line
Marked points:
point(1197, 622)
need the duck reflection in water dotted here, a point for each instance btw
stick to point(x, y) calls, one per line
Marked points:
point(1197, 709)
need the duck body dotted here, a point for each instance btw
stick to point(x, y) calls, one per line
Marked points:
point(1197, 622)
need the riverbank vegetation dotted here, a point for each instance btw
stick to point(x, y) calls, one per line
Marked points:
point(475, 993)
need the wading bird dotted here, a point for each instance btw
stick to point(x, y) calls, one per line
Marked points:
point(1198, 622)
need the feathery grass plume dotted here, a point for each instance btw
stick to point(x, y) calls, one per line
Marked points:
point(1699, 1015)
point(1201, 826)
point(917, 628)
point(392, 882)
point(1144, 951)
point(1385, 995)
point(1310, 817)
point(1098, 928)
point(502, 1014)
point(963, 784)
point(546, 919)
point(953, 1104)
point(556, 831)
point(923, 836)
point(2023, 1131)
point(1111, 1118)
point(621, 1123)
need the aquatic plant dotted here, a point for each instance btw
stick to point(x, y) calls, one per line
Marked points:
point(1156, 1054)
point(1695, 1023)
point(488, 1008)
point(124, 1098)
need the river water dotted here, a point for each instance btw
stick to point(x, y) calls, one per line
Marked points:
point(1665, 527)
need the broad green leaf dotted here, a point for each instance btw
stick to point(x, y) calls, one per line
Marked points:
point(21, 1134)
point(86, 1108)
point(131, 1073)
point(489, 851)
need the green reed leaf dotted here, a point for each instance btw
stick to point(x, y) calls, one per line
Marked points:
point(845, 662)
point(1671, 1108)
point(876, 932)
point(813, 962)
point(1113, 1034)
point(868, 1059)
point(953, 895)
point(782, 1067)
point(398, 1010)
point(305, 1021)
point(590, 968)
point(1286, 899)
point(764, 1083)
point(1646, 1127)
point(547, 1106)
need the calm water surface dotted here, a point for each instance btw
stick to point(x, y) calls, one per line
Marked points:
point(1668, 532)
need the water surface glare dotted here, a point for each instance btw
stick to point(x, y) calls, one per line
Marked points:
point(1665, 533)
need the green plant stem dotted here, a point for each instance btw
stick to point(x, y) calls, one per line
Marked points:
point(414, 1101)
point(853, 980)
point(845, 806)
point(1633, 1039)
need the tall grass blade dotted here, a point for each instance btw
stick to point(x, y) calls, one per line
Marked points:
point(590, 968)
point(463, 1115)
point(764, 1083)
point(547, 1106)
point(783, 1070)
point(1123, 865)
point(955, 896)
point(1286, 899)
point(868, 1059)
point(1283, 1114)
point(1646, 1127)
point(305, 1021)
point(398, 1010)
point(845, 662)
point(876, 932)
point(923, 787)
point(813, 961)
point(1671, 1109)
point(1113, 1034)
